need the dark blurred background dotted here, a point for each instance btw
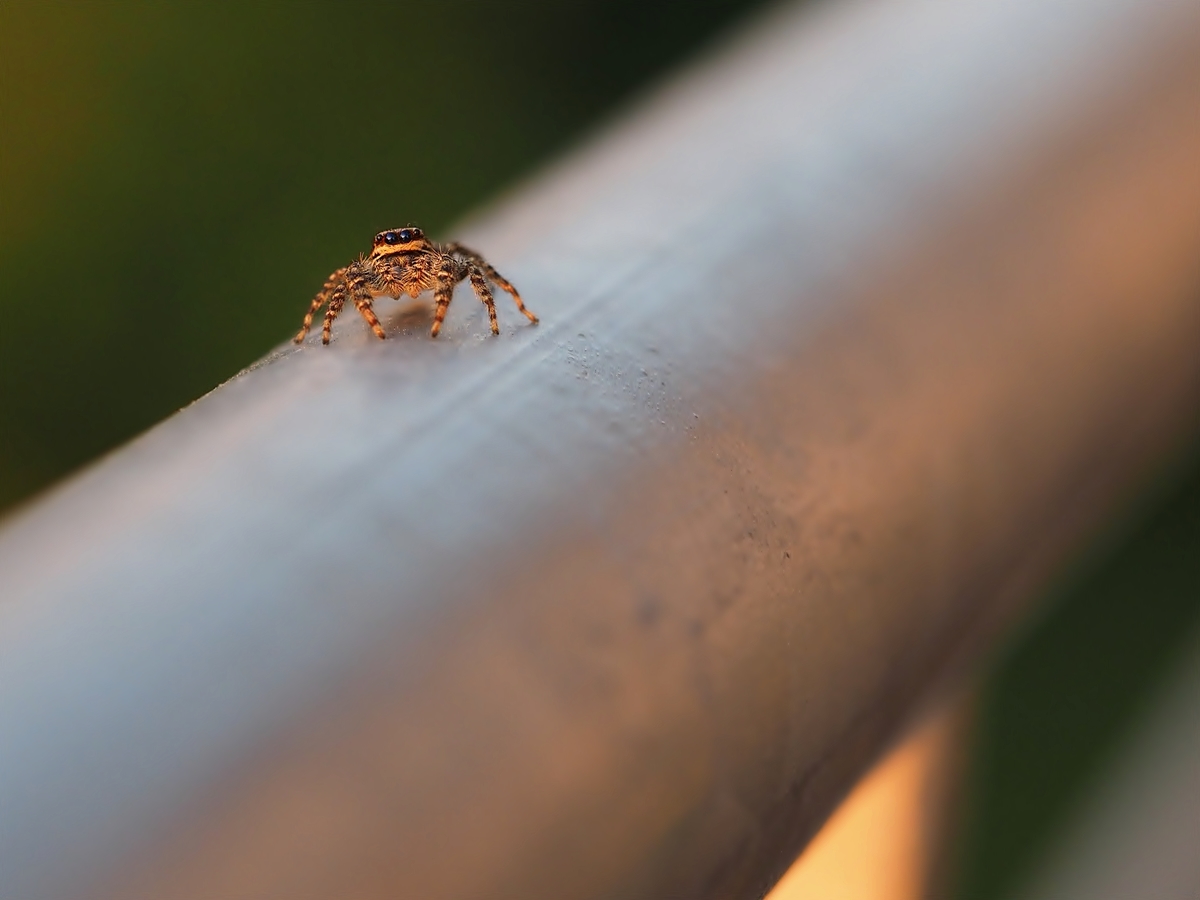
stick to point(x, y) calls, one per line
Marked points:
point(177, 180)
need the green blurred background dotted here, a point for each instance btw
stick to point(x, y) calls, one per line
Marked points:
point(176, 180)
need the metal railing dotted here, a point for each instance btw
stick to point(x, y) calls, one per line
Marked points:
point(849, 338)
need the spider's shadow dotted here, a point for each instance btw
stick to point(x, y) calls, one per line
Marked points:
point(407, 318)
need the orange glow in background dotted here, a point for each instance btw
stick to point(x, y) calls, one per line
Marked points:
point(880, 843)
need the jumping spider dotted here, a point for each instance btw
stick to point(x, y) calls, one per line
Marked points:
point(404, 261)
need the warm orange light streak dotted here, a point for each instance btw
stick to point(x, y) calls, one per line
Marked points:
point(879, 844)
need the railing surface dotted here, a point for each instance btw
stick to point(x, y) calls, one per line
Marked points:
point(849, 338)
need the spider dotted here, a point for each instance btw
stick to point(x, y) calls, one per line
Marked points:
point(404, 261)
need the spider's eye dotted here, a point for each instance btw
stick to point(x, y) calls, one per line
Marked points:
point(405, 236)
point(416, 233)
point(390, 237)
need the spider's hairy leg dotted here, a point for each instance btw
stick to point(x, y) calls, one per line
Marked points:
point(336, 301)
point(362, 302)
point(498, 279)
point(443, 293)
point(492, 276)
point(318, 301)
point(484, 293)
point(354, 284)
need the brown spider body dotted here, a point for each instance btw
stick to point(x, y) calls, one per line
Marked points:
point(404, 261)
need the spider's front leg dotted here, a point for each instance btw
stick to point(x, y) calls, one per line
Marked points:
point(336, 301)
point(354, 286)
point(362, 302)
point(319, 301)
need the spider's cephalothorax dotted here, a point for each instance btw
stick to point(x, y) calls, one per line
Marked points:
point(404, 261)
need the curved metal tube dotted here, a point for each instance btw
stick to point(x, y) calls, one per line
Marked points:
point(849, 338)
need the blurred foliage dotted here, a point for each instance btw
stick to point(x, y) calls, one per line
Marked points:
point(1057, 708)
point(178, 179)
